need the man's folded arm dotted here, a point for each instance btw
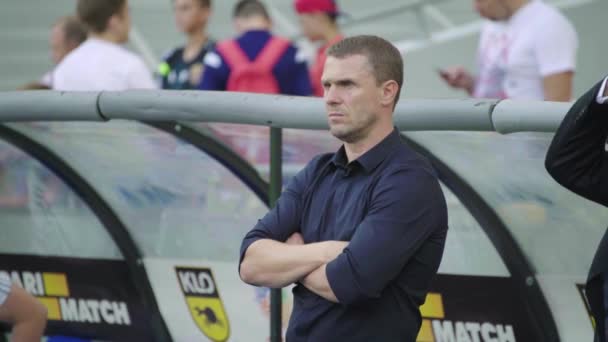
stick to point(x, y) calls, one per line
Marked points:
point(405, 211)
point(577, 157)
point(266, 260)
point(317, 282)
point(276, 264)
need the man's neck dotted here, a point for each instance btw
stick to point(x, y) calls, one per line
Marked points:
point(196, 41)
point(359, 148)
point(105, 36)
point(253, 24)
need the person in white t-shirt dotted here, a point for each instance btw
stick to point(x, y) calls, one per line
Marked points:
point(101, 63)
point(527, 50)
point(66, 35)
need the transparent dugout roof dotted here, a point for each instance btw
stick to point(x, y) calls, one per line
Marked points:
point(252, 143)
point(175, 200)
point(557, 230)
point(41, 215)
point(178, 202)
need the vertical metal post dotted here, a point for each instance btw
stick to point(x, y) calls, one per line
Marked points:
point(276, 183)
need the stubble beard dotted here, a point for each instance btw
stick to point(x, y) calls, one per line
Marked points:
point(354, 133)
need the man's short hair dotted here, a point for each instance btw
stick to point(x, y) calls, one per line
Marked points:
point(250, 8)
point(73, 29)
point(96, 13)
point(384, 58)
point(205, 3)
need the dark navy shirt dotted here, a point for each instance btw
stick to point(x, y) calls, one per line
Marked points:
point(388, 203)
point(290, 71)
point(179, 74)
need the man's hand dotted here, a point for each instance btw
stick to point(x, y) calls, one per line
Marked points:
point(331, 249)
point(459, 78)
point(295, 239)
point(316, 281)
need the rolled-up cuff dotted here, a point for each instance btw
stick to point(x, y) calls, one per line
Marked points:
point(342, 280)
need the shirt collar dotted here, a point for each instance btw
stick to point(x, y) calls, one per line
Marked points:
point(372, 158)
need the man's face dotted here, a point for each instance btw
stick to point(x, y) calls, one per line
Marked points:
point(190, 16)
point(311, 24)
point(58, 43)
point(352, 97)
point(492, 9)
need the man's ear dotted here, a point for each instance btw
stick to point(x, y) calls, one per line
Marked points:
point(113, 22)
point(390, 89)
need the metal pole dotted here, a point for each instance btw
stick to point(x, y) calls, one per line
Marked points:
point(276, 182)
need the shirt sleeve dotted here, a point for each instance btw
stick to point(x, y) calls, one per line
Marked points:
point(284, 219)
point(301, 78)
point(215, 76)
point(5, 287)
point(47, 79)
point(601, 99)
point(58, 76)
point(407, 208)
point(556, 46)
point(140, 77)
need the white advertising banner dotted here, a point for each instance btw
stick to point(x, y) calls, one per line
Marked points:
point(207, 301)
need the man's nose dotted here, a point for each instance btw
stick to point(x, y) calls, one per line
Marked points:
point(331, 95)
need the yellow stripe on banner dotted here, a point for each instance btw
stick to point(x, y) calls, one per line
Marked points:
point(426, 332)
point(52, 307)
point(55, 284)
point(433, 306)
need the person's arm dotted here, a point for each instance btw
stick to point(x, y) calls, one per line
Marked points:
point(558, 87)
point(26, 314)
point(458, 77)
point(266, 258)
point(407, 208)
point(299, 77)
point(316, 281)
point(216, 72)
point(555, 52)
point(276, 264)
point(577, 157)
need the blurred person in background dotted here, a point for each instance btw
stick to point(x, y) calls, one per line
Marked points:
point(256, 61)
point(527, 50)
point(101, 63)
point(182, 68)
point(318, 21)
point(23, 311)
point(66, 35)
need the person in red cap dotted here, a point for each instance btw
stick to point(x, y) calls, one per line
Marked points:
point(318, 21)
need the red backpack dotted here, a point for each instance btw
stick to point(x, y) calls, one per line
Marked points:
point(253, 76)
